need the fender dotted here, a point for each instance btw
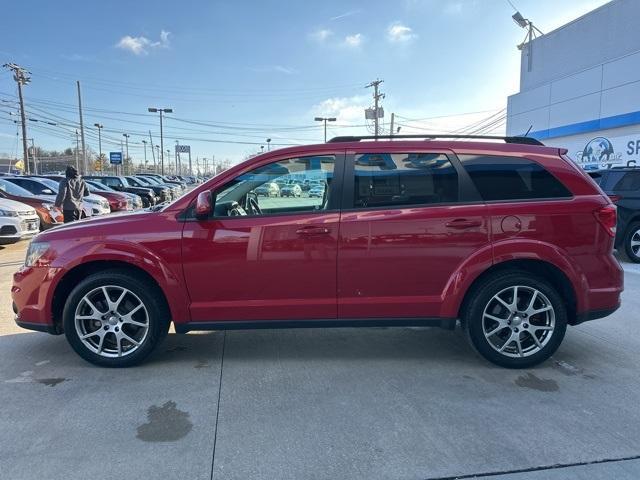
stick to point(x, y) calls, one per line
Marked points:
point(170, 280)
point(527, 249)
point(504, 251)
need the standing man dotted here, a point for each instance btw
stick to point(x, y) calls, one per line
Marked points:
point(70, 194)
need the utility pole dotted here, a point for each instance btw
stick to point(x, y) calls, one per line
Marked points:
point(85, 164)
point(168, 159)
point(393, 115)
point(153, 153)
point(144, 142)
point(126, 139)
point(376, 98)
point(157, 155)
point(161, 111)
point(21, 76)
point(177, 158)
point(77, 151)
point(100, 127)
point(33, 157)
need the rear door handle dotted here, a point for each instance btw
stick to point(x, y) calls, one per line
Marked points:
point(313, 231)
point(463, 223)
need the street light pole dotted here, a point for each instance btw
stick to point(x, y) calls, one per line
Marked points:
point(268, 144)
point(100, 127)
point(325, 120)
point(126, 139)
point(161, 111)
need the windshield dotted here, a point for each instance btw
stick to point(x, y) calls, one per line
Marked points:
point(13, 189)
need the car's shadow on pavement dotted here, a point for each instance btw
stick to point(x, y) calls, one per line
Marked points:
point(428, 347)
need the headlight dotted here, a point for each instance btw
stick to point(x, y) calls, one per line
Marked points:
point(35, 251)
point(8, 213)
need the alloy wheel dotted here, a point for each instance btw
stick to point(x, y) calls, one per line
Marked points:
point(634, 243)
point(111, 321)
point(518, 321)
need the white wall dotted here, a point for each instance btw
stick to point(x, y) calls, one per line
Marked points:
point(586, 71)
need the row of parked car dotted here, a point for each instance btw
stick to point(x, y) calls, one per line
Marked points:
point(291, 188)
point(27, 202)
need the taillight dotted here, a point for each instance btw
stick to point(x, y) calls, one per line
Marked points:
point(607, 217)
point(615, 198)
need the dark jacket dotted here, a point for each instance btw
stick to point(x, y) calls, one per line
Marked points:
point(71, 192)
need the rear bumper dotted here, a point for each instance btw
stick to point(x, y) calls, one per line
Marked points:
point(594, 315)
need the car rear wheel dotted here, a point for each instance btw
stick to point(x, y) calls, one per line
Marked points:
point(115, 319)
point(515, 320)
point(632, 242)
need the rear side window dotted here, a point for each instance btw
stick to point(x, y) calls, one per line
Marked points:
point(511, 178)
point(630, 181)
point(389, 180)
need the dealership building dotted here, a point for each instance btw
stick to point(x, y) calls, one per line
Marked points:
point(580, 87)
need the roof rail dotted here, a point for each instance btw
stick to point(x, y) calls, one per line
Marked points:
point(521, 140)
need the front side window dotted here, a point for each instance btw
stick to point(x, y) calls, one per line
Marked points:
point(511, 178)
point(287, 186)
point(396, 179)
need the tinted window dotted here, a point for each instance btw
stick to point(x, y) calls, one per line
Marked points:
point(597, 177)
point(511, 178)
point(630, 181)
point(388, 180)
point(110, 181)
point(279, 187)
point(13, 189)
point(34, 187)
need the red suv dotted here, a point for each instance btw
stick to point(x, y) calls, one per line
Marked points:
point(510, 238)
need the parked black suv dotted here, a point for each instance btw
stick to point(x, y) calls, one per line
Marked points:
point(623, 186)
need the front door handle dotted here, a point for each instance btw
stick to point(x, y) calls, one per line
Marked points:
point(462, 223)
point(313, 231)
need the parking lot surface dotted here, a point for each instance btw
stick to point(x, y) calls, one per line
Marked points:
point(376, 403)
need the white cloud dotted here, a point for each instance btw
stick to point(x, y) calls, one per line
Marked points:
point(354, 40)
point(141, 45)
point(399, 33)
point(321, 35)
point(348, 110)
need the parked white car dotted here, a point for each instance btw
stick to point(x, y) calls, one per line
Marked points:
point(17, 221)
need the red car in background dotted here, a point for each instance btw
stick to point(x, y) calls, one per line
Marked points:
point(49, 214)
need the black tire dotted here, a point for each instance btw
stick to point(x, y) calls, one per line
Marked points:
point(480, 298)
point(633, 230)
point(147, 293)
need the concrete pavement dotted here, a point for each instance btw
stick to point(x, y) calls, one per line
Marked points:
point(379, 403)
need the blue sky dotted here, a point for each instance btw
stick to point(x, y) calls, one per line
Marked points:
point(240, 71)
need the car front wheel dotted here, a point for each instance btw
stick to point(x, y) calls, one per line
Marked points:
point(115, 318)
point(515, 320)
point(632, 242)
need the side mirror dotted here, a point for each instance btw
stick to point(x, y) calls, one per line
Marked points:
point(204, 205)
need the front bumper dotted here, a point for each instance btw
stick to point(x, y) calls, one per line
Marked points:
point(30, 295)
